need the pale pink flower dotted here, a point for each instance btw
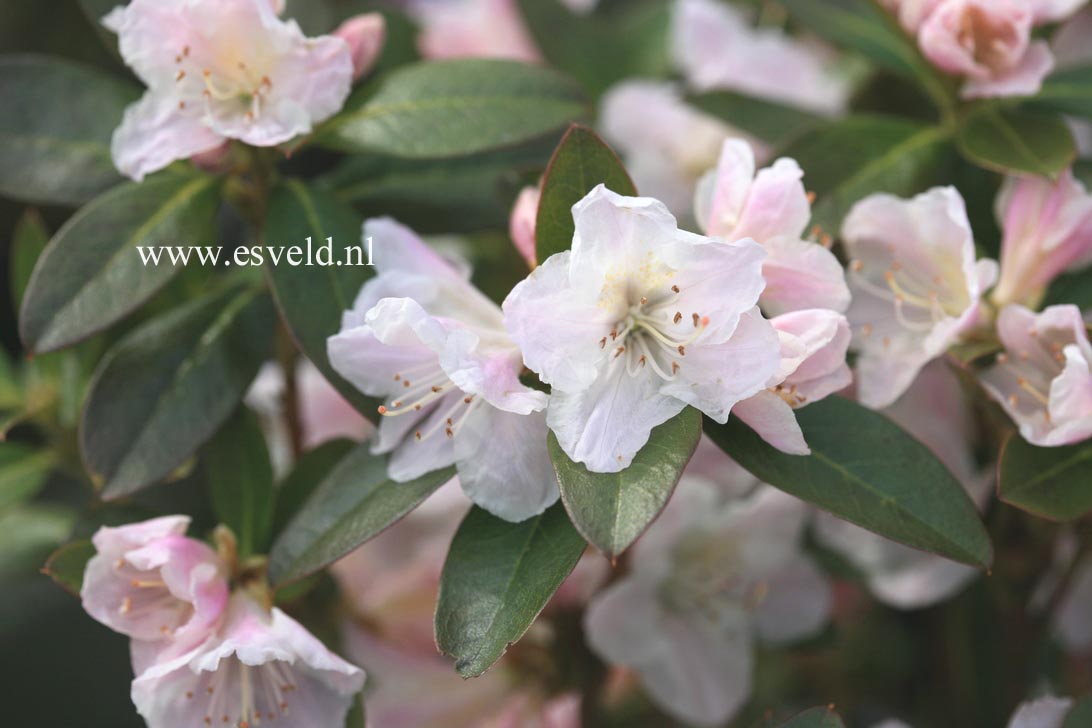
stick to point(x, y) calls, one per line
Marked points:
point(911, 13)
point(149, 581)
point(365, 35)
point(473, 29)
point(716, 47)
point(1048, 231)
point(711, 575)
point(1042, 379)
point(216, 70)
point(1072, 620)
point(261, 666)
point(1070, 44)
point(638, 320)
point(423, 337)
point(1046, 712)
point(916, 286)
point(522, 223)
point(734, 202)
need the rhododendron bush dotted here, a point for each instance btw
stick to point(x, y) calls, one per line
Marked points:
point(546, 363)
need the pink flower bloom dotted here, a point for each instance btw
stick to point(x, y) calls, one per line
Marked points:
point(717, 48)
point(473, 29)
point(1043, 379)
point(261, 666)
point(732, 202)
point(150, 582)
point(638, 320)
point(1048, 712)
point(911, 13)
point(1048, 231)
point(521, 225)
point(915, 285)
point(365, 35)
point(422, 336)
point(216, 70)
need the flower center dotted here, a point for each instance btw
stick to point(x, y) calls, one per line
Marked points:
point(708, 580)
point(920, 302)
point(244, 696)
point(240, 84)
point(427, 386)
point(655, 333)
point(989, 42)
point(150, 597)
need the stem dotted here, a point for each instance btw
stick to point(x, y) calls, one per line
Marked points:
point(287, 358)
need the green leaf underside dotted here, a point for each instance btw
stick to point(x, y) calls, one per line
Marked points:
point(1050, 482)
point(1018, 141)
point(67, 564)
point(23, 471)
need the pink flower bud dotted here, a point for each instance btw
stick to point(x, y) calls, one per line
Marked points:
point(365, 35)
point(521, 225)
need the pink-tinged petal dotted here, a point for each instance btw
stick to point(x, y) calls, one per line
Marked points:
point(777, 204)
point(365, 35)
point(1051, 11)
point(723, 192)
point(1072, 621)
point(1048, 712)
point(801, 274)
point(1070, 44)
point(521, 224)
point(504, 465)
point(796, 604)
point(774, 421)
point(1024, 79)
point(980, 39)
point(713, 464)
point(822, 337)
point(912, 13)
point(324, 413)
point(473, 29)
point(1071, 399)
point(413, 457)
point(154, 133)
point(623, 621)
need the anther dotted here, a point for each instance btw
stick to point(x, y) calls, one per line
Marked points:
point(675, 289)
point(468, 400)
point(641, 361)
point(811, 198)
point(856, 266)
point(437, 388)
point(382, 410)
point(678, 316)
point(618, 351)
point(643, 300)
point(448, 432)
point(682, 350)
point(603, 343)
point(674, 367)
point(180, 75)
point(696, 319)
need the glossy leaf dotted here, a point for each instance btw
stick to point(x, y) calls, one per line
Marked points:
point(23, 471)
point(1051, 482)
point(164, 389)
point(816, 718)
point(1017, 141)
point(612, 510)
point(27, 244)
point(67, 564)
point(452, 108)
point(91, 274)
point(769, 121)
point(865, 469)
point(497, 577)
point(240, 478)
point(356, 502)
point(55, 127)
point(306, 475)
point(1080, 715)
point(581, 162)
point(1068, 91)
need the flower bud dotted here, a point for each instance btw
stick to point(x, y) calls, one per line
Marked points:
point(365, 35)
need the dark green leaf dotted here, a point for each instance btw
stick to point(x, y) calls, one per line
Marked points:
point(355, 503)
point(1018, 141)
point(164, 389)
point(1051, 482)
point(311, 299)
point(582, 161)
point(91, 274)
point(309, 471)
point(29, 532)
point(240, 479)
point(767, 120)
point(865, 469)
point(27, 244)
point(612, 510)
point(23, 471)
point(67, 564)
point(497, 578)
point(55, 127)
point(1080, 715)
point(1075, 288)
point(452, 108)
point(1068, 91)
point(815, 718)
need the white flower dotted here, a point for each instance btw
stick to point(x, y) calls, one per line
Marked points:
point(1048, 712)
point(638, 320)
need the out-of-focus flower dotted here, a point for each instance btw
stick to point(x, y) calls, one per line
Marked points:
point(915, 283)
point(712, 573)
point(936, 411)
point(220, 69)
point(1048, 712)
point(422, 336)
point(365, 35)
point(667, 145)
point(732, 202)
point(1071, 49)
point(911, 13)
point(473, 29)
point(149, 581)
point(262, 666)
point(521, 224)
point(638, 320)
point(1048, 230)
point(717, 48)
point(1072, 620)
point(989, 42)
point(1042, 379)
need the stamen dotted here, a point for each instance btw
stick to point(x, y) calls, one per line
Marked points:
point(678, 317)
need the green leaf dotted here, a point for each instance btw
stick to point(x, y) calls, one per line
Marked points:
point(23, 472)
point(1050, 482)
point(1068, 91)
point(849, 159)
point(355, 503)
point(164, 389)
point(581, 162)
point(865, 469)
point(66, 565)
point(452, 108)
point(497, 577)
point(55, 127)
point(612, 510)
point(1018, 141)
point(1080, 715)
point(309, 471)
point(29, 532)
point(1075, 288)
point(240, 479)
point(816, 718)
point(311, 299)
point(91, 274)
point(769, 121)
point(27, 244)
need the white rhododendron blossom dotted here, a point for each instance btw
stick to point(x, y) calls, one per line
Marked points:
point(714, 573)
point(1043, 378)
point(220, 69)
point(472, 29)
point(916, 286)
point(1047, 712)
point(422, 337)
point(638, 320)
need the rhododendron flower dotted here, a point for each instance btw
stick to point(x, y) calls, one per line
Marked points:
point(523, 221)
point(261, 666)
point(220, 69)
point(715, 47)
point(1048, 230)
point(915, 283)
point(150, 582)
point(713, 572)
point(365, 35)
point(732, 202)
point(1047, 712)
point(638, 320)
point(666, 144)
point(1042, 379)
point(473, 29)
point(1072, 620)
point(423, 337)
